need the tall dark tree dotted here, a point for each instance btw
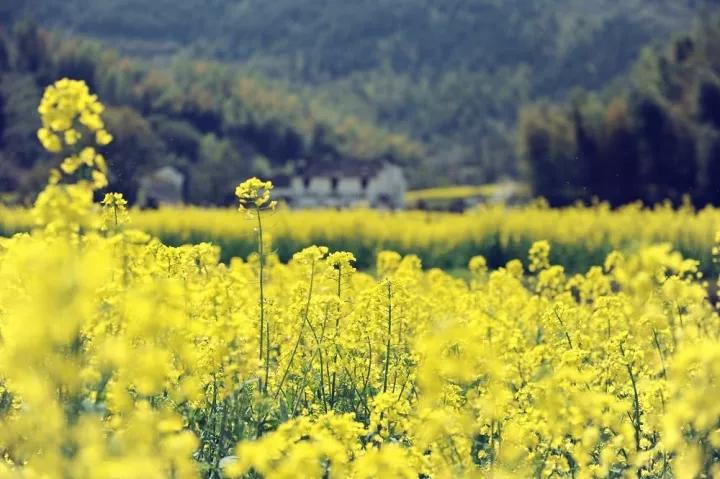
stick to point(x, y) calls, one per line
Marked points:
point(134, 152)
point(32, 50)
point(620, 151)
point(4, 52)
point(660, 132)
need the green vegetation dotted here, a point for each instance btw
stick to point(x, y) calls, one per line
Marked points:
point(656, 138)
point(487, 191)
point(205, 118)
point(458, 198)
point(449, 74)
point(581, 236)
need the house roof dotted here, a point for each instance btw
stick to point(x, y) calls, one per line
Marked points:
point(166, 174)
point(342, 168)
point(281, 181)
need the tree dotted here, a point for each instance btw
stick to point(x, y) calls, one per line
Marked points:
point(134, 152)
point(220, 167)
point(4, 52)
point(32, 51)
point(549, 146)
point(20, 97)
point(620, 156)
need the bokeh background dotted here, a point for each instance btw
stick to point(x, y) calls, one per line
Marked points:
point(574, 99)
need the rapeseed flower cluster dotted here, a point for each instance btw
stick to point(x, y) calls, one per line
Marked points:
point(69, 114)
point(581, 236)
point(121, 356)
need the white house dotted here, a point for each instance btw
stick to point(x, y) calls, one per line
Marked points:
point(347, 183)
point(163, 186)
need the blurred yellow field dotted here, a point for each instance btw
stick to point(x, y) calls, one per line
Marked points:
point(581, 235)
point(594, 351)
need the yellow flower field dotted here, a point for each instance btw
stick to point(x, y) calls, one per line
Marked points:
point(581, 235)
point(123, 357)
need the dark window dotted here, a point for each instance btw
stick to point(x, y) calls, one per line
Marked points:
point(334, 184)
point(364, 182)
point(306, 182)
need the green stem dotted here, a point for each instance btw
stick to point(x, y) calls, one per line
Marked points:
point(565, 332)
point(261, 254)
point(337, 333)
point(300, 334)
point(389, 337)
point(660, 353)
point(318, 341)
point(220, 443)
point(636, 419)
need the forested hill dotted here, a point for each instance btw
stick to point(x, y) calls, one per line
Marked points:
point(655, 138)
point(216, 124)
point(565, 42)
point(452, 74)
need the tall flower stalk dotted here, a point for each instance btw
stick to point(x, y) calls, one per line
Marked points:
point(254, 196)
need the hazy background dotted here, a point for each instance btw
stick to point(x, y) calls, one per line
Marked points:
point(612, 99)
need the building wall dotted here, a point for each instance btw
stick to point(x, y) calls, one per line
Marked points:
point(350, 187)
point(386, 189)
point(163, 187)
point(319, 186)
point(296, 185)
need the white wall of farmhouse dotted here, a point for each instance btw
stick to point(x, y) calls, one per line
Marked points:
point(383, 187)
point(319, 186)
point(350, 187)
point(387, 188)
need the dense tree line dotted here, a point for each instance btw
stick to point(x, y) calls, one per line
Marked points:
point(321, 40)
point(209, 120)
point(451, 74)
point(657, 138)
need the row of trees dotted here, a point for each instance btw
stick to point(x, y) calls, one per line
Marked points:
point(451, 74)
point(657, 138)
point(205, 118)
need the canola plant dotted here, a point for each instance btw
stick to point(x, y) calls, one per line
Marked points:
point(582, 236)
point(122, 357)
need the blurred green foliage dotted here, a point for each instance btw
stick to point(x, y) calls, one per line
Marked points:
point(450, 74)
point(212, 122)
point(656, 137)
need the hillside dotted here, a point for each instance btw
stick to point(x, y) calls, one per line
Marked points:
point(655, 138)
point(209, 120)
point(330, 39)
point(451, 74)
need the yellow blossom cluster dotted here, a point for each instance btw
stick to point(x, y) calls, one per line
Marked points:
point(69, 113)
point(255, 193)
point(122, 357)
point(64, 107)
point(581, 236)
